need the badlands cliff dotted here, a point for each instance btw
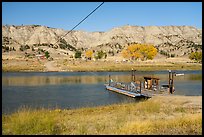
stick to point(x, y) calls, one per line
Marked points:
point(177, 40)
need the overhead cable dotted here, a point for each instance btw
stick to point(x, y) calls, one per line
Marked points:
point(80, 22)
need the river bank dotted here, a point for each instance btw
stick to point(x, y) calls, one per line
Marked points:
point(171, 114)
point(64, 65)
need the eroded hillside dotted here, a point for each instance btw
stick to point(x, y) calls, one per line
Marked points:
point(177, 41)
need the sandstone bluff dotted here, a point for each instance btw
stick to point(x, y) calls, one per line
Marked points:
point(177, 40)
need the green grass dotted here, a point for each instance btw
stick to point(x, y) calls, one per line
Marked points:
point(152, 116)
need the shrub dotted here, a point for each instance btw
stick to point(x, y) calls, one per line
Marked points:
point(47, 54)
point(21, 48)
point(77, 54)
point(6, 48)
point(100, 55)
point(196, 56)
point(26, 47)
point(172, 55)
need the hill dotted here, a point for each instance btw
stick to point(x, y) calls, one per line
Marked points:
point(178, 40)
point(27, 42)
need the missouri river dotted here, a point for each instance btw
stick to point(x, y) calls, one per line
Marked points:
point(80, 89)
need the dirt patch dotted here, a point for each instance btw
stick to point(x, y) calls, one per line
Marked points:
point(50, 66)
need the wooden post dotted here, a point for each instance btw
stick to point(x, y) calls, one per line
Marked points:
point(171, 87)
point(169, 81)
point(172, 84)
point(157, 83)
point(140, 86)
point(109, 80)
point(133, 75)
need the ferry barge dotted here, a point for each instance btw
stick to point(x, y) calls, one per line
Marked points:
point(147, 88)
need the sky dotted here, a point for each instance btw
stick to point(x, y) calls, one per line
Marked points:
point(65, 15)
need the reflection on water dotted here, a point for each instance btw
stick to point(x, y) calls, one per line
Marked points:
point(80, 89)
point(51, 80)
point(195, 77)
point(26, 80)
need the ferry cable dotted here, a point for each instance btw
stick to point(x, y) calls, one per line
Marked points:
point(80, 22)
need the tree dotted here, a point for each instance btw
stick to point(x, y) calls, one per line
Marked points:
point(21, 48)
point(47, 54)
point(151, 52)
point(142, 51)
point(89, 54)
point(27, 47)
point(105, 55)
point(173, 55)
point(77, 54)
point(126, 54)
point(100, 55)
point(14, 49)
point(196, 56)
point(33, 48)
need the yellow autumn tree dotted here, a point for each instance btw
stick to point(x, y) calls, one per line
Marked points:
point(142, 51)
point(152, 52)
point(148, 51)
point(126, 54)
point(89, 54)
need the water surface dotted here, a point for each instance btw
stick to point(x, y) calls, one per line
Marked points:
point(80, 89)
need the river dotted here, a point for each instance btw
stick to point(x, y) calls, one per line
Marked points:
point(69, 90)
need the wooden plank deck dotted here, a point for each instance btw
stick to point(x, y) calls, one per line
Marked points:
point(127, 93)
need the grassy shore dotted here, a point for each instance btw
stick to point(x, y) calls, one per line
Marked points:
point(22, 65)
point(18, 65)
point(169, 114)
point(112, 66)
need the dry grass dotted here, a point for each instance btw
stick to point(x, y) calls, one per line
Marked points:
point(81, 65)
point(188, 124)
point(159, 115)
point(17, 65)
point(27, 121)
point(100, 65)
